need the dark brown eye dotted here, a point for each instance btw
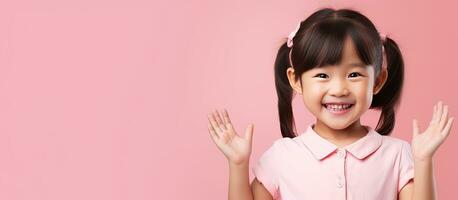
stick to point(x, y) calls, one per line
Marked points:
point(356, 73)
point(321, 75)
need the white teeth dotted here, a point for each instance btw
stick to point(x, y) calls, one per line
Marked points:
point(337, 107)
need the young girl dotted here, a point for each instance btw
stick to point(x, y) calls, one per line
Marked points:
point(341, 66)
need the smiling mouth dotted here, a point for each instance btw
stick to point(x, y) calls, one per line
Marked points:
point(337, 108)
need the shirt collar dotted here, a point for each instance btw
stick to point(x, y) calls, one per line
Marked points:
point(321, 147)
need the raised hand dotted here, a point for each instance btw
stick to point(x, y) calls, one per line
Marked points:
point(236, 149)
point(425, 144)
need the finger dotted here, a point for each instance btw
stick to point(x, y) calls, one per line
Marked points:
point(249, 133)
point(439, 112)
point(220, 122)
point(227, 120)
point(444, 118)
point(211, 119)
point(212, 132)
point(416, 128)
point(447, 128)
point(217, 121)
point(434, 114)
point(435, 110)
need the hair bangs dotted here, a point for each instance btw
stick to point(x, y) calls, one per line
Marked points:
point(323, 44)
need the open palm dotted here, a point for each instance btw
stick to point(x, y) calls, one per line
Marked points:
point(425, 144)
point(236, 149)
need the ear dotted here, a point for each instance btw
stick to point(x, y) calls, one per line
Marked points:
point(380, 80)
point(296, 85)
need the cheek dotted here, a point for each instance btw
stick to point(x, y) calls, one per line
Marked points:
point(313, 92)
point(364, 91)
point(312, 97)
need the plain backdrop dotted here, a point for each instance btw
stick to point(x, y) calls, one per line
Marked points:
point(108, 99)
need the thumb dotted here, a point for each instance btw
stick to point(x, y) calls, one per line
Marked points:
point(249, 132)
point(416, 129)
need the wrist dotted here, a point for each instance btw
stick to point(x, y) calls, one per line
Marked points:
point(243, 164)
point(426, 159)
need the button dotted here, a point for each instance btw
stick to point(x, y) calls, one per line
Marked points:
point(340, 153)
point(339, 184)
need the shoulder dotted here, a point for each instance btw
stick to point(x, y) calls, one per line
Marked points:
point(397, 147)
point(283, 147)
point(287, 144)
point(391, 141)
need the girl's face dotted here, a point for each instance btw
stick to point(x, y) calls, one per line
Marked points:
point(339, 94)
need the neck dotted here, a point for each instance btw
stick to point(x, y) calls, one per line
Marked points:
point(339, 136)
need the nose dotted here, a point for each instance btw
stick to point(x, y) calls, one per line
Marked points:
point(338, 88)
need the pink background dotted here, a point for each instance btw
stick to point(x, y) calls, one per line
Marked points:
point(109, 99)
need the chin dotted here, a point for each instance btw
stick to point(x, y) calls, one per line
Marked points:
point(339, 125)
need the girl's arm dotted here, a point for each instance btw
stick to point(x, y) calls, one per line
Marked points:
point(424, 186)
point(239, 187)
point(239, 184)
point(237, 151)
point(424, 146)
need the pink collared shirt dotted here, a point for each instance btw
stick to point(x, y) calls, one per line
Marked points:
point(375, 167)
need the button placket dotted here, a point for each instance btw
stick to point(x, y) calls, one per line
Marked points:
point(341, 154)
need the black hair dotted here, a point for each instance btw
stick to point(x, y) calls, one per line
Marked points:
point(319, 42)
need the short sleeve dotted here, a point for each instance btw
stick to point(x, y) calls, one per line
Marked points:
point(406, 165)
point(265, 169)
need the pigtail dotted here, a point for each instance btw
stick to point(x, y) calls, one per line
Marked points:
point(388, 98)
point(284, 92)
